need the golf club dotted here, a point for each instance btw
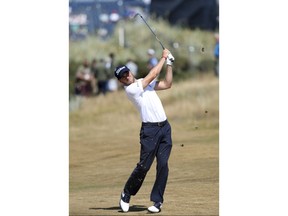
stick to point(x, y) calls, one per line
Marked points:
point(150, 29)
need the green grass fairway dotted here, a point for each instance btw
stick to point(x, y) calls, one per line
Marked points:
point(104, 149)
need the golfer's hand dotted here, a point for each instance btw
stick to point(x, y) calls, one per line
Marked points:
point(165, 53)
point(170, 59)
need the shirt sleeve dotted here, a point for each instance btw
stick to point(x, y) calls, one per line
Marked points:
point(152, 84)
point(135, 88)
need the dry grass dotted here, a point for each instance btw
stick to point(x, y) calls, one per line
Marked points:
point(104, 149)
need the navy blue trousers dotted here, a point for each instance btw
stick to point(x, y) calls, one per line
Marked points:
point(156, 141)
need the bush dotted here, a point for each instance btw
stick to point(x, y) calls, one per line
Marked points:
point(185, 44)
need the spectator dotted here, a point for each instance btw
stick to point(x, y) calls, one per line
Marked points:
point(84, 80)
point(133, 67)
point(216, 55)
point(101, 76)
point(93, 72)
point(112, 84)
point(110, 65)
point(152, 61)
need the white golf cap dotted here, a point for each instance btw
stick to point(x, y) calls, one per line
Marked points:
point(151, 52)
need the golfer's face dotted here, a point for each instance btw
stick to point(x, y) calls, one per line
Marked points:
point(127, 78)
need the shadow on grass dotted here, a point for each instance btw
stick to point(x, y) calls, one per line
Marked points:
point(133, 208)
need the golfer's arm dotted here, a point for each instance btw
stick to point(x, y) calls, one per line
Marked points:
point(167, 82)
point(154, 72)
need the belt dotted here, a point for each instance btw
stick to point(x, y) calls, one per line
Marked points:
point(159, 124)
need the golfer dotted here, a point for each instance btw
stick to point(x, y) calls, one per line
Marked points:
point(155, 133)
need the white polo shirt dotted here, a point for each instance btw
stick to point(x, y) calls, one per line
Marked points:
point(146, 101)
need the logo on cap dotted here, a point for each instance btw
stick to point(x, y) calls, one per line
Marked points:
point(119, 70)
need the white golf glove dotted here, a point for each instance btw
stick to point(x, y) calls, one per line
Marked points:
point(170, 59)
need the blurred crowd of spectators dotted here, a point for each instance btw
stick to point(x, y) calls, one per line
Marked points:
point(97, 77)
point(92, 78)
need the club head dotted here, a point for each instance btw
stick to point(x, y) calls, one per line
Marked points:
point(136, 15)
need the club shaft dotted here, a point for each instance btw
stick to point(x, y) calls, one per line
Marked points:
point(151, 31)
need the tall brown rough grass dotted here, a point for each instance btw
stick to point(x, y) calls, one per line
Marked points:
point(104, 148)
